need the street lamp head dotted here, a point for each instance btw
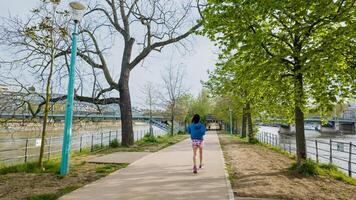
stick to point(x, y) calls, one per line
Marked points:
point(230, 109)
point(56, 2)
point(32, 89)
point(77, 10)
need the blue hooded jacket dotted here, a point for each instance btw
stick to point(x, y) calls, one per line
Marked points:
point(196, 131)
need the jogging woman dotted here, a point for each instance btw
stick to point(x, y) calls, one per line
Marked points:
point(197, 132)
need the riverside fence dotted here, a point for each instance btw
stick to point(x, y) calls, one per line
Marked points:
point(340, 153)
point(17, 151)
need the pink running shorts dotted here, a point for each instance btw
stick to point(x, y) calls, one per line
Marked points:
point(197, 143)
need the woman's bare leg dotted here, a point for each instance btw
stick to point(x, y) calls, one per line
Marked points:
point(195, 148)
point(201, 155)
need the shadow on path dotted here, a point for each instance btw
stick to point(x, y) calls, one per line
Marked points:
point(166, 174)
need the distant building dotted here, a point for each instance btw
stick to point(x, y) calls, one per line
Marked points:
point(350, 112)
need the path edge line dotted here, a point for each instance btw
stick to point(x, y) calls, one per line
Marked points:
point(230, 192)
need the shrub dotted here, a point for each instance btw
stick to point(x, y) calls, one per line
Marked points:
point(181, 132)
point(253, 140)
point(311, 168)
point(328, 167)
point(149, 139)
point(114, 143)
point(307, 168)
point(51, 166)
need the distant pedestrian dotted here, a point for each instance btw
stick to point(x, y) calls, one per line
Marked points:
point(197, 132)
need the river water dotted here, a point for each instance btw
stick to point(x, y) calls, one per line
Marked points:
point(34, 130)
point(312, 134)
point(339, 149)
point(21, 145)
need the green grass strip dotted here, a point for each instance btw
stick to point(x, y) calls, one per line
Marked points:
point(55, 195)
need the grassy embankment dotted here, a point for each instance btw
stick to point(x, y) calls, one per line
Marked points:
point(308, 168)
point(51, 185)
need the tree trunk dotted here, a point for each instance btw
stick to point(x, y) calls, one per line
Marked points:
point(299, 119)
point(249, 123)
point(237, 125)
point(151, 128)
point(46, 109)
point(232, 124)
point(44, 123)
point(243, 128)
point(172, 121)
point(125, 108)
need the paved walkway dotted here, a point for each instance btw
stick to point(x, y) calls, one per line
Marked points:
point(119, 157)
point(165, 175)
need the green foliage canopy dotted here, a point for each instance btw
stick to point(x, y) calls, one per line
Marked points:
point(266, 45)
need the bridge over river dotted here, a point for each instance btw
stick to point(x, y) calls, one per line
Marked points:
point(81, 115)
point(332, 125)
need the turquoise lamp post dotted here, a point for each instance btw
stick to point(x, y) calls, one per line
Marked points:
point(76, 13)
point(230, 110)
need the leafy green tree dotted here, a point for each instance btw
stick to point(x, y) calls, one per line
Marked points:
point(226, 81)
point(201, 105)
point(221, 106)
point(184, 104)
point(300, 53)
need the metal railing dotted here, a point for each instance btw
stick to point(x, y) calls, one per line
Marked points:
point(159, 124)
point(17, 151)
point(342, 154)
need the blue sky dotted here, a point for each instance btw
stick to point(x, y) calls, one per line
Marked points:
point(197, 61)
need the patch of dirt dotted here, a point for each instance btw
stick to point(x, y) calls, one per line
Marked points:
point(262, 173)
point(142, 147)
point(24, 185)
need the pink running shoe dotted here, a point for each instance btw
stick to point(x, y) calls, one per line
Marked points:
point(195, 170)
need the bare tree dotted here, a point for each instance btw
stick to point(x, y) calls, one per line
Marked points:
point(52, 51)
point(144, 27)
point(38, 46)
point(38, 41)
point(29, 44)
point(33, 46)
point(150, 94)
point(173, 90)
